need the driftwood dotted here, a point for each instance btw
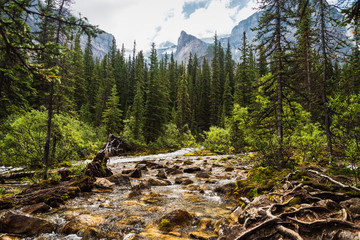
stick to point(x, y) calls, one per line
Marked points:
point(116, 146)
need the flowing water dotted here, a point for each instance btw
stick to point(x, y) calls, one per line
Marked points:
point(121, 215)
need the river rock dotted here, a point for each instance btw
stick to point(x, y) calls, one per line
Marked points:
point(92, 233)
point(136, 173)
point(97, 167)
point(120, 180)
point(203, 235)
point(202, 174)
point(173, 171)
point(36, 208)
point(178, 218)
point(183, 181)
point(8, 237)
point(229, 169)
point(205, 223)
point(158, 182)
point(103, 183)
point(80, 223)
point(161, 174)
point(226, 189)
point(130, 221)
point(192, 170)
point(180, 180)
point(15, 223)
point(149, 164)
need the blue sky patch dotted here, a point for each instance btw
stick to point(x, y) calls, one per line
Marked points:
point(190, 7)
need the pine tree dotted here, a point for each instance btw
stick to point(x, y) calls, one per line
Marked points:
point(329, 42)
point(215, 86)
point(228, 104)
point(229, 68)
point(204, 97)
point(78, 73)
point(112, 116)
point(183, 112)
point(106, 81)
point(137, 110)
point(272, 31)
point(156, 104)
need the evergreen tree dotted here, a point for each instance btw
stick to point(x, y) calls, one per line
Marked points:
point(215, 86)
point(272, 31)
point(112, 116)
point(156, 105)
point(228, 104)
point(229, 68)
point(329, 43)
point(183, 112)
point(204, 97)
point(106, 81)
point(137, 110)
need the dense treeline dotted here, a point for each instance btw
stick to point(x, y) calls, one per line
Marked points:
point(290, 97)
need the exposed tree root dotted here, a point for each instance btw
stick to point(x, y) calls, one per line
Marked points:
point(301, 211)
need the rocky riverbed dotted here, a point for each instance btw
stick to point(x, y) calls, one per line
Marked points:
point(167, 196)
point(173, 196)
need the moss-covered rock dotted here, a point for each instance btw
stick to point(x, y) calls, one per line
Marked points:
point(177, 218)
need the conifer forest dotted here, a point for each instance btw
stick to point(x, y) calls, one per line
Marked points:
point(291, 101)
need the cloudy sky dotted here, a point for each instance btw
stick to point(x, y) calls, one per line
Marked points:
point(158, 21)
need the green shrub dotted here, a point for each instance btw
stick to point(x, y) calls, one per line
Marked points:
point(218, 140)
point(23, 144)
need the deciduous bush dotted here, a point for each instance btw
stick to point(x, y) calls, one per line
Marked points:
point(24, 141)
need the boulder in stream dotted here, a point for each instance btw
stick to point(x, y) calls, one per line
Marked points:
point(120, 180)
point(103, 183)
point(158, 182)
point(177, 218)
point(16, 223)
point(36, 208)
point(192, 170)
point(80, 223)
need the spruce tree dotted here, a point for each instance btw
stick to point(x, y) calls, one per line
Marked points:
point(112, 115)
point(156, 104)
point(215, 86)
point(204, 97)
point(271, 31)
point(183, 112)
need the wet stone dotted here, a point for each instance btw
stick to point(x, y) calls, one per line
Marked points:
point(158, 182)
point(36, 208)
point(173, 171)
point(15, 223)
point(120, 180)
point(229, 169)
point(202, 174)
point(161, 174)
point(192, 170)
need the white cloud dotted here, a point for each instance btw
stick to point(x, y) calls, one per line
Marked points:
point(160, 20)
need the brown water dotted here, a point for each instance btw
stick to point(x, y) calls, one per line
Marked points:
point(113, 211)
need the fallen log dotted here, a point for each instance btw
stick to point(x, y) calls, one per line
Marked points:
point(16, 175)
point(333, 180)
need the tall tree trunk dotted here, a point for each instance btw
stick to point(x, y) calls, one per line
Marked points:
point(308, 75)
point(279, 113)
point(51, 99)
point(324, 80)
point(48, 133)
